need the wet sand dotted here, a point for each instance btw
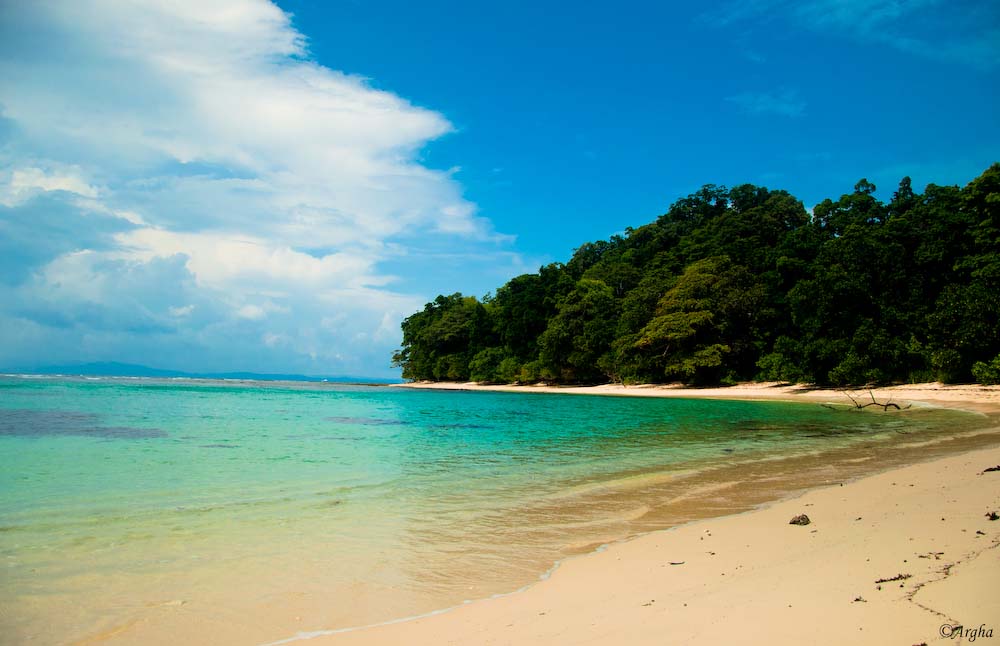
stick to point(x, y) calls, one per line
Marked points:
point(900, 557)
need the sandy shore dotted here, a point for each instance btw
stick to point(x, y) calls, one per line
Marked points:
point(754, 578)
point(984, 399)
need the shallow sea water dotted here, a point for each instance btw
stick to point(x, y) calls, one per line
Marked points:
point(186, 511)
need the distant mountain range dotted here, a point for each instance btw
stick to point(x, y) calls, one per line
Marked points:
point(116, 369)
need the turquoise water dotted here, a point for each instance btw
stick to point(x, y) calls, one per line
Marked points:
point(125, 500)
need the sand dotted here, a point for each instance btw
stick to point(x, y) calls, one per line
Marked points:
point(967, 397)
point(753, 578)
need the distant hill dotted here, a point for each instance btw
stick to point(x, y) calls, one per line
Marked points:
point(117, 369)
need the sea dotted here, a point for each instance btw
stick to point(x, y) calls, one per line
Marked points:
point(168, 511)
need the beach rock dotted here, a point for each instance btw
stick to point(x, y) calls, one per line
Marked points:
point(801, 519)
point(996, 468)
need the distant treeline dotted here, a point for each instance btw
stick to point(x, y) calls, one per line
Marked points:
point(744, 284)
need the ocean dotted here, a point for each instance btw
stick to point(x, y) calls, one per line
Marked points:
point(146, 511)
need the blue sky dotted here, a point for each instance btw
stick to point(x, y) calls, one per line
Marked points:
point(243, 185)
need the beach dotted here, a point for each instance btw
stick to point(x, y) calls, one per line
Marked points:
point(984, 399)
point(260, 513)
point(906, 556)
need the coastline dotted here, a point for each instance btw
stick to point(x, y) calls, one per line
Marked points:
point(293, 595)
point(751, 577)
point(971, 397)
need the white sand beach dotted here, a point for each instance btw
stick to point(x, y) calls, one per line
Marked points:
point(901, 557)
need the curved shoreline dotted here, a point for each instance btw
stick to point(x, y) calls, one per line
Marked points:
point(553, 609)
point(972, 397)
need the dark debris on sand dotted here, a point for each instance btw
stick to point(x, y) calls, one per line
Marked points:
point(898, 577)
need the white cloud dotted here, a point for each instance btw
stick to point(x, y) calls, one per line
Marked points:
point(24, 183)
point(198, 142)
point(271, 339)
point(224, 261)
point(213, 83)
point(252, 312)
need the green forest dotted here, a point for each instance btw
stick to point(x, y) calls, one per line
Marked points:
point(745, 284)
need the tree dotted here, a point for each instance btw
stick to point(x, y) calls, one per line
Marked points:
point(580, 333)
point(742, 283)
point(701, 324)
point(439, 341)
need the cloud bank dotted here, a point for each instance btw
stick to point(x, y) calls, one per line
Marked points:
point(182, 185)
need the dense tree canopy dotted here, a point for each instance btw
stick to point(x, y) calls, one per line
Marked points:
point(741, 284)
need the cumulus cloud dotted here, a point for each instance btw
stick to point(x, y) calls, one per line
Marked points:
point(183, 171)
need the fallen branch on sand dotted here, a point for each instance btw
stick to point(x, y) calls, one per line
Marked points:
point(885, 406)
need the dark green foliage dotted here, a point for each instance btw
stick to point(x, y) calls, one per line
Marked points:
point(987, 373)
point(740, 284)
point(444, 338)
point(580, 334)
point(703, 323)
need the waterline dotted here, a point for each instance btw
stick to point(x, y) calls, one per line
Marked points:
point(262, 511)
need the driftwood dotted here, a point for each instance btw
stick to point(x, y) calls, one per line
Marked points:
point(883, 405)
